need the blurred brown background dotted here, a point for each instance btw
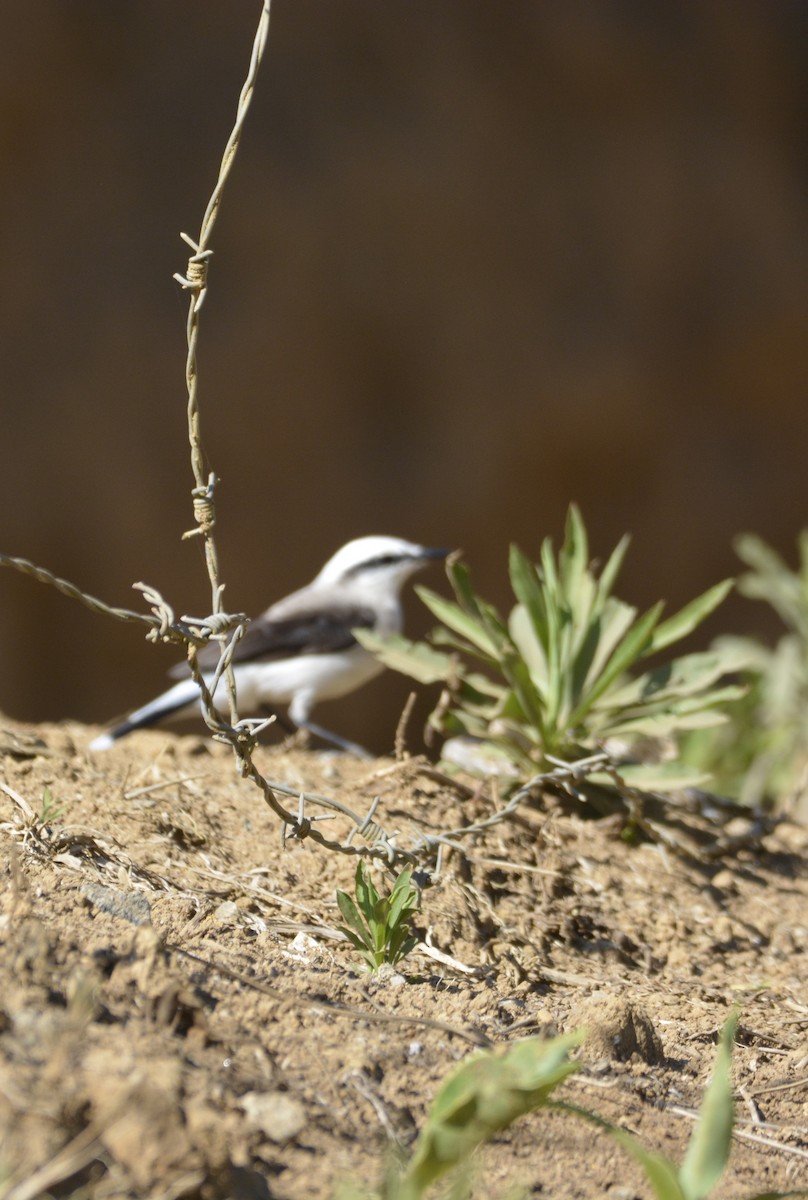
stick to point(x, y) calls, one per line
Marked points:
point(475, 260)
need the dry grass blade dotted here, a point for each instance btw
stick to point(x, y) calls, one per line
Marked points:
point(18, 799)
point(757, 1138)
point(72, 1158)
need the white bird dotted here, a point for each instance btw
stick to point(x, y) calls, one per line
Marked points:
point(302, 649)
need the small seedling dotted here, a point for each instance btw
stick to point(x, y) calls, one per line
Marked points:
point(379, 927)
point(50, 811)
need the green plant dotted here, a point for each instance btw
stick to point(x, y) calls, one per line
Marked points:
point(379, 927)
point(557, 677)
point(50, 810)
point(763, 755)
point(481, 1097)
point(490, 1090)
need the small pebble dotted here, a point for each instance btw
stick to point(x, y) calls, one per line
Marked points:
point(227, 913)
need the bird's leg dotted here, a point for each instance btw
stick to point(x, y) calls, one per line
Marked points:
point(296, 738)
point(281, 721)
point(334, 739)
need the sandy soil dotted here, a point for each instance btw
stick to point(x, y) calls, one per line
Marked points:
point(180, 1018)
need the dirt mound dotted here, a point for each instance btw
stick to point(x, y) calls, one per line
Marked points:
point(179, 1016)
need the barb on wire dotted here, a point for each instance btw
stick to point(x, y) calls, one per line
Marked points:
point(204, 510)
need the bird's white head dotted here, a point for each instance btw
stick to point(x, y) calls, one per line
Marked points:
point(383, 562)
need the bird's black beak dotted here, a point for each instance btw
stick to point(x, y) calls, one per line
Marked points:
point(428, 552)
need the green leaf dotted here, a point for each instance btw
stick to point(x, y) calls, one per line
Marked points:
point(460, 578)
point(777, 1195)
point(481, 1097)
point(351, 917)
point(403, 898)
point(661, 724)
point(401, 948)
point(523, 632)
point(772, 581)
point(416, 659)
point(686, 676)
point(584, 628)
point(610, 572)
point(526, 588)
point(627, 652)
point(579, 588)
point(659, 1170)
point(471, 628)
point(574, 556)
point(366, 895)
point(556, 619)
point(358, 943)
point(659, 777)
point(757, 554)
point(530, 701)
point(709, 1146)
point(613, 622)
point(472, 604)
point(688, 618)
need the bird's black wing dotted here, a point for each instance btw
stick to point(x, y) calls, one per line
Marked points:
point(322, 631)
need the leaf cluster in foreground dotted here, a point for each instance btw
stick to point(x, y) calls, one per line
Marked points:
point(492, 1089)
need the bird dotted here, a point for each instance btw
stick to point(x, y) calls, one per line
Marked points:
point(302, 649)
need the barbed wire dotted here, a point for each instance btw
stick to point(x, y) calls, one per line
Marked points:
point(242, 734)
point(561, 773)
point(227, 628)
point(195, 281)
point(163, 625)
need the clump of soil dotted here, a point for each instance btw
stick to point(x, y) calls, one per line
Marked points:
point(179, 1016)
point(617, 1029)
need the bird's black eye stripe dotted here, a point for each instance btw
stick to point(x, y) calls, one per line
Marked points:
point(381, 560)
point(387, 560)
